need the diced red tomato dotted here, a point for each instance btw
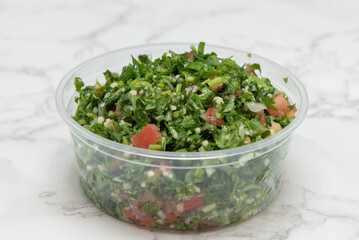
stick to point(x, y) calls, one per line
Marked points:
point(193, 203)
point(216, 87)
point(206, 224)
point(191, 54)
point(238, 92)
point(211, 116)
point(282, 106)
point(140, 217)
point(262, 119)
point(168, 207)
point(171, 218)
point(130, 215)
point(147, 221)
point(249, 68)
point(150, 134)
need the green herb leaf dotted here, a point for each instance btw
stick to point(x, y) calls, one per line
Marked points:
point(256, 66)
point(201, 48)
point(78, 83)
point(256, 126)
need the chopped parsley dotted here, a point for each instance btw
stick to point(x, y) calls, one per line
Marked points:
point(179, 93)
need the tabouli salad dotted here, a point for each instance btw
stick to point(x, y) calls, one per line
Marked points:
point(182, 102)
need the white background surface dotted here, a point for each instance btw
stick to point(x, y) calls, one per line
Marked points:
point(40, 41)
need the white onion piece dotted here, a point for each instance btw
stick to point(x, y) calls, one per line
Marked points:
point(203, 115)
point(255, 107)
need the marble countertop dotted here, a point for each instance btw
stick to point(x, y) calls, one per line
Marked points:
point(41, 40)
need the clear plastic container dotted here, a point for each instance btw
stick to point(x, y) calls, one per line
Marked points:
point(179, 190)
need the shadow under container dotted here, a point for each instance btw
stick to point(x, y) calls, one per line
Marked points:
point(177, 190)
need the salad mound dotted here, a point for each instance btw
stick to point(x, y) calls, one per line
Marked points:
point(185, 102)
